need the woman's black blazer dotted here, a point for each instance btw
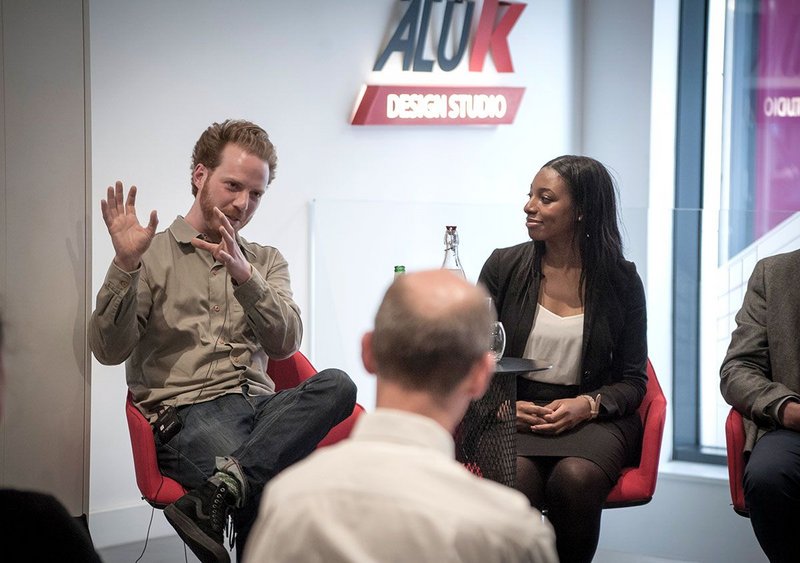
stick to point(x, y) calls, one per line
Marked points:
point(614, 358)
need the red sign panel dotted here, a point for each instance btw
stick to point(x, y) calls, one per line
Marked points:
point(437, 105)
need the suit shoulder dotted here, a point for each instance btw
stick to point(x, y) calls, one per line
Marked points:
point(627, 282)
point(788, 261)
point(516, 252)
point(627, 270)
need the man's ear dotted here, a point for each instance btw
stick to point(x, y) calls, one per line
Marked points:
point(199, 175)
point(366, 353)
point(480, 376)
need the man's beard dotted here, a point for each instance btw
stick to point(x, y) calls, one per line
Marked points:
point(209, 215)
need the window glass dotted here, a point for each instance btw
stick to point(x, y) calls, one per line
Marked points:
point(751, 192)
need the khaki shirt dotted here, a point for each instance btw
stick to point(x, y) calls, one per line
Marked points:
point(188, 334)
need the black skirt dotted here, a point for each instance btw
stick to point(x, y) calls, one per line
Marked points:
point(611, 444)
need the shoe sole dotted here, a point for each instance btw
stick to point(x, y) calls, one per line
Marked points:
point(205, 548)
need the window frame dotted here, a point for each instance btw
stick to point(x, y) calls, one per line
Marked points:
point(687, 231)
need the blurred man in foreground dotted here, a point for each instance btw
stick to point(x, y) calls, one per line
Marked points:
point(394, 490)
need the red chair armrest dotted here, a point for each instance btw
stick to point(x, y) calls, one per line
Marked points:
point(290, 372)
point(734, 440)
point(155, 488)
point(637, 485)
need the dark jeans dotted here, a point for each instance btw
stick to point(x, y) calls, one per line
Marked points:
point(264, 434)
point(772, 493)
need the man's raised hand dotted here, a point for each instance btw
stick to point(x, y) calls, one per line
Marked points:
point(129, 238)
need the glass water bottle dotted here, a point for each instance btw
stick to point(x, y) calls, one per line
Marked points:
point(451, 260)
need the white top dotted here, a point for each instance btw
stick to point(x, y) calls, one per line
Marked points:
point(394, 493)
point(558, 340)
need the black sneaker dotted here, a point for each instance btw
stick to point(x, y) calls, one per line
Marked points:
point(200, 517)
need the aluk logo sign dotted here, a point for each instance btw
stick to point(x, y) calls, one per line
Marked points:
point(457, 38)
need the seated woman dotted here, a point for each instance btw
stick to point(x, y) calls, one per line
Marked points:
point(569, 296)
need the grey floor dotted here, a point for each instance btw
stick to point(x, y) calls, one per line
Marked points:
point(170, 549)
point(159, 550)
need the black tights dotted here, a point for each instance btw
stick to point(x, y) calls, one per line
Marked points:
point(572, 490)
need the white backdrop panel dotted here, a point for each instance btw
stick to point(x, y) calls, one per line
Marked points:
point(354, 248)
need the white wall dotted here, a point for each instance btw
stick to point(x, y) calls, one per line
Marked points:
point(617, 57)
point(162, 71)
point(44, 176)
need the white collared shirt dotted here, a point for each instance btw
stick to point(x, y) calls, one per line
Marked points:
point(394, 492)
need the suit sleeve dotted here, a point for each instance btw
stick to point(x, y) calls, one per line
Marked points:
point(616, 364)
point(490, 273)
point(746, 372)
point(629, 356)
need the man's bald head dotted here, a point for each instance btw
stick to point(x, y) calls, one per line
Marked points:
point(430, 330)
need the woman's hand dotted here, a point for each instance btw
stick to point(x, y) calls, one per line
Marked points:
point(564, 414)
point(530, 415)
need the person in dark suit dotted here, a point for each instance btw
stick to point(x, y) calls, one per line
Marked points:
point(568, 296)
point(37, 522)
point(760, 378)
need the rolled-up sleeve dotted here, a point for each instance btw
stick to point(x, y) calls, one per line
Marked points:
point(269, 308)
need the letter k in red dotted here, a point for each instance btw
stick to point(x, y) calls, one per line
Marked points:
point(494, 38)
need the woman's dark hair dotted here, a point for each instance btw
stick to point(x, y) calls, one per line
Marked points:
point(595, 203)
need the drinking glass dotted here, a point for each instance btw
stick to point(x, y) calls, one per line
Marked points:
point(498, 340)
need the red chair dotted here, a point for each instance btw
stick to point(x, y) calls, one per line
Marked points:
point(636, 485)
point(156, 488)
point(734, 440)
point(159, 490)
